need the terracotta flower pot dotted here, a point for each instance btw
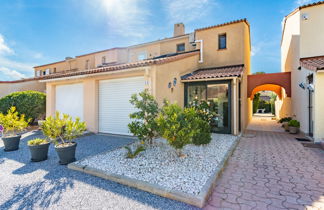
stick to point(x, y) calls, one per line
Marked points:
point(66, 153)
point(11, 143)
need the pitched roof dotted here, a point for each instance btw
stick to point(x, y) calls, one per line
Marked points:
point(215, 72)
point(224, 24)
point(305, 6)
point(313, 63)
point(121, 67)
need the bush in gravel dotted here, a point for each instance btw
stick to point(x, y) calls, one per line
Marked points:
point(177, 125)
point(144, 125)
point(204, 109)
point(202, 134)
point(12, 122)
point(131, 154)
point(30, 103)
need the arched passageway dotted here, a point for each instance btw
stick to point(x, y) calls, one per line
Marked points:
point(278, 83)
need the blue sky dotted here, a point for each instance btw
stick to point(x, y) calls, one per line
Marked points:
point(34, 32)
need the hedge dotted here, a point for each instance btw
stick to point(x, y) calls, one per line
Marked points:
point(31, 103)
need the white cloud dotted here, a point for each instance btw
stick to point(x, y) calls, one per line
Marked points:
point(186, 11)
point(10, 67)
point(37, 55)
point(4, 48)
point(12, 73)
point(128, 18)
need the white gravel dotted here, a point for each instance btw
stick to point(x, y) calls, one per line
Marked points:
point(160, 165)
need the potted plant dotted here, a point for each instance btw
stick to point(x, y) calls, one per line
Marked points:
point(293, 126)
point(62, 130)
point(284, 121)
point(12, 124)
point(38, 149)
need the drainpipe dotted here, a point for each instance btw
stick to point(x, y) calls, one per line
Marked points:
point(234, 105)
point(201, 60)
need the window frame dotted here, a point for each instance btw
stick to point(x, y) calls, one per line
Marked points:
point(103, 59)
point(180, 44)
point(219, 41)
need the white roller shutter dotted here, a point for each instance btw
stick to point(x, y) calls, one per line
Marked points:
point(114, 105)
point(69, 99)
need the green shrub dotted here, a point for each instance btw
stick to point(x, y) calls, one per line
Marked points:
point(256, 102)
point(37, 141)
point(30, 103)
point(131, 154)
point(144, 124)
point(177, 125)
point(294, 123)
point(63, 128)
point(205, 110)
point(12, 122)
point(284, 119)
point(202, 134)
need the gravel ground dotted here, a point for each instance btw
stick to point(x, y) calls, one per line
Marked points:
point(160, 165)
point(48, 185)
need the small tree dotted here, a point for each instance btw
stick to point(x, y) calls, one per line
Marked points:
point(12, 122)
point(63, 128)
point(177, 125)
point(144, 124)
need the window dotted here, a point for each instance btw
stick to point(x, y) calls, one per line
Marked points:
point(87, 64)
point(141, 56)
point(103, 60)
point(181, 47)
point(47, 71)
point(37, 73)
point(222, 41)
point(54, 70)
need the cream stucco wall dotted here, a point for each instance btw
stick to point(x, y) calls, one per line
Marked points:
point(304, 38)
point(318, 107)
point(312, 31)
point(7, 87)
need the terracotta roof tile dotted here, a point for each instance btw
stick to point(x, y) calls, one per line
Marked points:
point(313, 63)
point(121, 67)
point(215, 72)
point(224, 24)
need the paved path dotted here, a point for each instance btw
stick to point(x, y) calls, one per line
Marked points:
point(264, 123)
point(271, 171)
point(47, 185)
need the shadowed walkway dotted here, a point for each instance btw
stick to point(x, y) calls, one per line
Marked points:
point(271, 171)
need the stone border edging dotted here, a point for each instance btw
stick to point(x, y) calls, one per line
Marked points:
point(195, 200)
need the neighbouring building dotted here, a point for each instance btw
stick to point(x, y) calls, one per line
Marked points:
point(7, 87)
point(210, 64)
point(302, 54)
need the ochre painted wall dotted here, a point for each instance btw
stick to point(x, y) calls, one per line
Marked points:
point(232, 55)
point(167, 72)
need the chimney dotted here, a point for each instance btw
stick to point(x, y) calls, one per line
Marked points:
point(179, 29)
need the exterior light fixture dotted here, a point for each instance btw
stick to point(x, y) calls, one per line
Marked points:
point(174, 82)
point(302, 85)
point(310, 87)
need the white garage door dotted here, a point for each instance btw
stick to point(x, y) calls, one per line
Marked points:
point(114, 105)
point(69, 99)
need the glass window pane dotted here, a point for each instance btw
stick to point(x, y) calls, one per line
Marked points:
point(222, 41)
point(217, 96)
point(196, 92)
